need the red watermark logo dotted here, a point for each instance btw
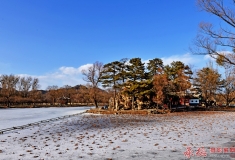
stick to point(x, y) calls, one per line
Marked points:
point(201, 152)
point(188, 153)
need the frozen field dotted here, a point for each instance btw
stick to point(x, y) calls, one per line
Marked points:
point(21, 116)
point(103, 137)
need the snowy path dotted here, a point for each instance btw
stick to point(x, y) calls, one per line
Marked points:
point(22, 116)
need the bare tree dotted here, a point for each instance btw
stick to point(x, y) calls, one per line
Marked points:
point(8, 84)
point(92, 75)
point(53, 93)
point(66, 92)
point(35, 84)
point(228, 92)
point(217, 42)
point(25, 84)
point(35, 95)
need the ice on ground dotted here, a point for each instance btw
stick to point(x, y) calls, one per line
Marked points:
point(13, 117)
point(122, 137)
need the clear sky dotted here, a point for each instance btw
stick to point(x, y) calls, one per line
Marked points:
point(54, 39)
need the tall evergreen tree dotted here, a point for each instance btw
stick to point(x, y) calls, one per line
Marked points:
point(178, 75)
point(135, 70)
point(136, 76)
point(111, 76)
point(154, 66)
point(123, 70)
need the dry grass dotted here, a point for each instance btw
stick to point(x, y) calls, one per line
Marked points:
point(99, 111)
point(145, 112)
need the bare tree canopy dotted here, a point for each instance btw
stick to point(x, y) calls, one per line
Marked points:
point(8, 86)
point(218, 42)
point(35, 84)
point(25, 84)
point(93, 75)
point(228, 92)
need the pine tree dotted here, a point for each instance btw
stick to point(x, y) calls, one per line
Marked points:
point(154, 66)
point(135, 70)
point(136, 76)
point(111, 77)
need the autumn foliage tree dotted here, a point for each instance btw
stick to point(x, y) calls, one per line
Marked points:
point(208, 81)
point(160, 84)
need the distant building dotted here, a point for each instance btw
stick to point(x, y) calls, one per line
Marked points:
point(194, 102)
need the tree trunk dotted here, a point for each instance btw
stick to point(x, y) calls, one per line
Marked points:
point(96, 103)
point(114, 100)
point(133, 107)
point(139, 106)
point(8, 102)
point(117, 105)
point(227, 104)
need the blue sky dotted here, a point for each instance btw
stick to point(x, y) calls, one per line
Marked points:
point(54, 39)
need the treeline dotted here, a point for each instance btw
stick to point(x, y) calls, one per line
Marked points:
point(24, 91)
point(128, 82)
point(156, 83)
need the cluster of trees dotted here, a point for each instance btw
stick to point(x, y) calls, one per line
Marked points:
point(151, 82)
point(77, 95)
point(209, 83)
point(25, 87)
point(160, 83)
point(24, 91)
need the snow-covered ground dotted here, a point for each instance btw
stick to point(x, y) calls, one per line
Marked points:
point(121, 137)
point(13, 117)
